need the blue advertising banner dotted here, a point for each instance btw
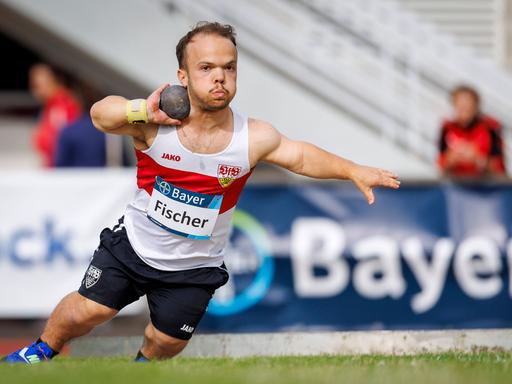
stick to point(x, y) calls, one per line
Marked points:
point(306, 256)
point(318, 257)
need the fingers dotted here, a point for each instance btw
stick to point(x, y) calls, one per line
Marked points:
point(153, 105)
point(391, 183)
point(369, 196)
point(389, 179)
point(154, 98)
point(155, 114)
point(162, 87)
point(389, 174)
point(160, 117)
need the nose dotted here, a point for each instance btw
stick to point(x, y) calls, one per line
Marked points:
point(218, 76)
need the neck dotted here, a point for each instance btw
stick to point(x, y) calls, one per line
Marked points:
point(469, 124)
point(52, 92)
point(209, 120)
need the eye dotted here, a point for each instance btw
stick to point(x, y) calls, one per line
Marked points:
point(205, 68)
point(230, 67)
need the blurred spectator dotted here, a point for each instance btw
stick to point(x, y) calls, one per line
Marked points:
point(60, 108)
point(471, 143)
point(80, 144)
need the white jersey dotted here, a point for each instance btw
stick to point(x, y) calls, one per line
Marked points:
point(181, 215)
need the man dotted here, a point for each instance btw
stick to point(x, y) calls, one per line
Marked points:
point(60, 108)
point(471, 143)
point(171, 241)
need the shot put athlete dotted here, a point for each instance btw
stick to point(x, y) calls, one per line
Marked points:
point(170, 243)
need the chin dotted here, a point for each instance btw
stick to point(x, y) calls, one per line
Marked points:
point(217, 105)
point(214, 108)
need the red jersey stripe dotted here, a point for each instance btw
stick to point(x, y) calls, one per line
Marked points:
point(148, 169)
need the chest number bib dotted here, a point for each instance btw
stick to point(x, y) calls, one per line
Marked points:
point(180, 211)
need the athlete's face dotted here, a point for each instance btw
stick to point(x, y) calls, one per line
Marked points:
point(210, 72)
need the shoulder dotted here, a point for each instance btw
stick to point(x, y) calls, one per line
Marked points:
point(66, 99)
point(83, 123)
point(263, 138)
point(490, 122)
point(446, 127)
point(448, 124)
point(257, 124)
point(259, 128)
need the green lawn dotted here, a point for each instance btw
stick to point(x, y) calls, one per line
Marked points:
point(495, 368)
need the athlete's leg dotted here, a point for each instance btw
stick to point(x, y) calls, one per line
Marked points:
point(107, 287)
point(176, 310)
point(158, 345)
point(74, 316)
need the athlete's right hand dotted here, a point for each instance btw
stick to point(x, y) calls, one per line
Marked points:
point(155, 114)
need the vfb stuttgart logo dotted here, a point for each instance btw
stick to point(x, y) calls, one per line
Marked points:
point(226, 174)
point(92, 276)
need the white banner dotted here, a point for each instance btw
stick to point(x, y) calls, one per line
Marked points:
point(50, 223)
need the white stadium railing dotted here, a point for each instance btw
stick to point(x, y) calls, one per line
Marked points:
point(371, 58)
point(479, 24)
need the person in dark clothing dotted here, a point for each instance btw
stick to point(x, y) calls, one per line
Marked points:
point(471, 143)
point(81, 145)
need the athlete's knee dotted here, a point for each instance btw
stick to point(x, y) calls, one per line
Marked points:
point(162, 345)
point(89, 312)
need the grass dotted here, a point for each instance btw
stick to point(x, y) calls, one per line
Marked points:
point(482, 367)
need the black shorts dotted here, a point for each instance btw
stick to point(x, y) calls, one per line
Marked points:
point(177, 300)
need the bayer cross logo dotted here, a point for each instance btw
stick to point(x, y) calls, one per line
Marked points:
point(165, 188)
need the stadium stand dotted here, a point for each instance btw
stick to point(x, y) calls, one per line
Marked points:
point(385, 73)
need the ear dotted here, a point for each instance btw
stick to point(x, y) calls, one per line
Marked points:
point(183, 77)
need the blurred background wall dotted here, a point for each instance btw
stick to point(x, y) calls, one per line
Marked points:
point(370, 78)
point(508, 35)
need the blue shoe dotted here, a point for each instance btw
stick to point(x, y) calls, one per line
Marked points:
point(140, 358)
point(33, 354)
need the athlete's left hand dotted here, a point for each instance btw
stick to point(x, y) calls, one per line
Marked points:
point(366, 178)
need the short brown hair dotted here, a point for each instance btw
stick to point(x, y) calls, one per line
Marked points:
point(215, 28)
point(463, 88)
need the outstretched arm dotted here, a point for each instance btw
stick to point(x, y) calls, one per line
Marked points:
point(309, 160)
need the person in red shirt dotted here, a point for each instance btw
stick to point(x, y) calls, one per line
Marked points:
point(60, 108)
point(471, 143)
